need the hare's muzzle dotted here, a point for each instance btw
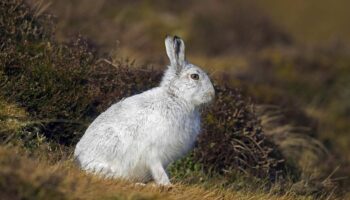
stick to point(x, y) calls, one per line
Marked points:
point(210, 96)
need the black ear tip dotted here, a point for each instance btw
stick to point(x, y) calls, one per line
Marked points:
point(176, 37)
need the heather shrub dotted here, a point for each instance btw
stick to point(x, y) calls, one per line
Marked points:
point(63, 85)
point(233, 138)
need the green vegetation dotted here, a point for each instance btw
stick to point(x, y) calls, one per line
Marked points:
point(269, 140)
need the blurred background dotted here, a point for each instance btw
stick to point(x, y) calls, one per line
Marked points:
point(297, 50)
point(284, 64)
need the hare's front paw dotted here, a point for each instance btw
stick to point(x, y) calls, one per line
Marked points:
point(159, 174)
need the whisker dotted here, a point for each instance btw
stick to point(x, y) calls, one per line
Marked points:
point(215, 71)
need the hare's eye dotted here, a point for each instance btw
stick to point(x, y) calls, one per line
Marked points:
point(194, 76)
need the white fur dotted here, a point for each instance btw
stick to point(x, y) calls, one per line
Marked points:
point(138, 137)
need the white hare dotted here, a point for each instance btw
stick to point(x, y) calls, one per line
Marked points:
point(136, 138)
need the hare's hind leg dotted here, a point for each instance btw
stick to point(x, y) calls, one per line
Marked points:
point(159, 174)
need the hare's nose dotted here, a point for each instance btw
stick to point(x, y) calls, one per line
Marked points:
point(211, 94)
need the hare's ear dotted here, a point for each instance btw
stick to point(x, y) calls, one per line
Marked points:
point(175, 49)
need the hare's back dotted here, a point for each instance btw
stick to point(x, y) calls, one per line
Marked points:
point(127, 114)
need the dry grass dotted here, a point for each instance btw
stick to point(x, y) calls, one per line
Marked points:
point(11, 116)
point(296, 142)
point(23, 177)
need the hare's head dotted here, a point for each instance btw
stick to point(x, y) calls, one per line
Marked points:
point(184, 79)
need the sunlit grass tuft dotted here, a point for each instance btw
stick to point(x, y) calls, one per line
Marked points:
point(11, 115)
